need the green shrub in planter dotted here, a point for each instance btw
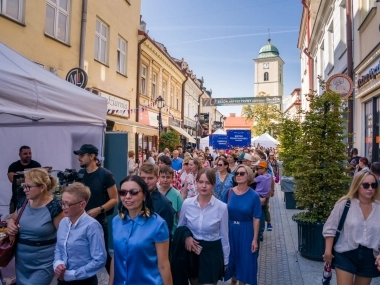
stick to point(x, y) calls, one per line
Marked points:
point(169, 140)
point(319, 168)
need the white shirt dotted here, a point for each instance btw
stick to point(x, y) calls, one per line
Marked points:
point(356, 230)
point(209, 223)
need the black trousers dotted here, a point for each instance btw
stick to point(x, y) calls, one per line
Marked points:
point(89, 281)
point(102, 219)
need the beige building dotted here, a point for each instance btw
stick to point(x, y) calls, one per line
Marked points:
point(366, 78)
point(269, 75)
point(59, 36)
point(159, 76)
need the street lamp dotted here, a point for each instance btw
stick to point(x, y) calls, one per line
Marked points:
point(196, 130)
point(160, 104)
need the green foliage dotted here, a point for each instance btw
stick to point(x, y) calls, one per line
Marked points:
point(266, 118)
point(289, 137)
point(169, 140)
point(319, 168)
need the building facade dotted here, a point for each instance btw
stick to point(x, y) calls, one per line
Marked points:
point(293, 104)
point(99, 37)
point(159, 76)
point(366, 135)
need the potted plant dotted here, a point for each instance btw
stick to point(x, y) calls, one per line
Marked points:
point(319, 169)
point(290, 134)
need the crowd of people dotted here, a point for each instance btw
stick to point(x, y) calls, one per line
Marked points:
point(182, 217)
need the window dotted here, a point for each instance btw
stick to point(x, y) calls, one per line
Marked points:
point(164, 90)
point(171, 96)
point(143, 79)
point(266, 76)
point(330, 47)
point(12, 9)
point(121, 55)
point(188, 110)
point(343, 35)
point(177, 99)
point(177, 103)
point(280, 77)
point(154, 78)
point(57, 19)
point(101, 39)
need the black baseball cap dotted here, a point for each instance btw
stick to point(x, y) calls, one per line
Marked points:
point(87, 148)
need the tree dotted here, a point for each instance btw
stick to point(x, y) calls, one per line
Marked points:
point(319, 169)
point(169, 140)
point(266, 118)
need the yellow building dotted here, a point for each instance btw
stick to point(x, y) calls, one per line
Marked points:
point(98, 36)
point(159, 76)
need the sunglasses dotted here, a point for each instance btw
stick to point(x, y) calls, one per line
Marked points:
point(132, 192)
point(240, 173)
point(366, 185)
point(220, 165)
point(186, 163)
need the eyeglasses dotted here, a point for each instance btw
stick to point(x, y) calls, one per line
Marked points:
point(220, 165)
point(28, 187)
point(240, 173)
point(67, 205)
point(132, 192)
point(366, 185)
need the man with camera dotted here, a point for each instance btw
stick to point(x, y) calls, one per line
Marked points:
point(25, 162)
point(102, 186)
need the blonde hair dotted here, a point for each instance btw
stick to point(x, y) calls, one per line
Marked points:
point(250, 174)
point(197, 163)
point(186, 159)
point(357, 182)
point(131, 153)
point(40, 177)
point(78, 190)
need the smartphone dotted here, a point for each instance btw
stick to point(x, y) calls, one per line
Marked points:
point(199, 249)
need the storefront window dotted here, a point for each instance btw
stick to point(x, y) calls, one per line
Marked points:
point(368, 130)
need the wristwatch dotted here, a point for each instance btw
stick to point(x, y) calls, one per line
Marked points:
point(102, 209)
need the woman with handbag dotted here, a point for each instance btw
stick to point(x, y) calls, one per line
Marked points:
point(37, 229)
point(354, 250)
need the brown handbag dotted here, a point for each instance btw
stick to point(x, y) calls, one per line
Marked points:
point(8, 244)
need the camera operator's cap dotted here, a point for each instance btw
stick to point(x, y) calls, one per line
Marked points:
point(87, 148)
point(263, 164)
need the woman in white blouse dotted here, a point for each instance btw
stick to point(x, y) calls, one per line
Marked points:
point(207, 219)
point(356, 253)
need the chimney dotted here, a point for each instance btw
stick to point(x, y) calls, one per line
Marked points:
point(232, 114)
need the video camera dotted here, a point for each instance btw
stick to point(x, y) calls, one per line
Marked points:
point(69, 176)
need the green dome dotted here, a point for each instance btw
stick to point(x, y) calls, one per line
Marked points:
point(268, 50)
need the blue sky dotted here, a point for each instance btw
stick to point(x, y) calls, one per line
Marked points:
point(219, 39)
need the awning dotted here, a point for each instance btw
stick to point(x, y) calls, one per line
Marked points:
point(183, 133)
point(123, 125)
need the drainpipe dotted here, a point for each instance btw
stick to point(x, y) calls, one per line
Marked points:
point(306, 51)
point(350, 101)
point(138, 87)
point(83, 34)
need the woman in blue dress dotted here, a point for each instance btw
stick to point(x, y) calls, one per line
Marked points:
point(244, 212)
point(140, 238)
point(223, 178)
point(37, 229)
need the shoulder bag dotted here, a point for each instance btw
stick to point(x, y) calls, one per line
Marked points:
point(7, 244)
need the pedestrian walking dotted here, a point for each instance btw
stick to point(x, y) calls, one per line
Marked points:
point(190, 188)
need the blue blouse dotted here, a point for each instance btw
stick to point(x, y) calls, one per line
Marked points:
point(135, 256)
point(218, 192)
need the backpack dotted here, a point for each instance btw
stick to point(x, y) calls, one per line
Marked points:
point(102, 178)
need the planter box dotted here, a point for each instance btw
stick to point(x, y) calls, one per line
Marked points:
point(290, 202)
point(311, 243)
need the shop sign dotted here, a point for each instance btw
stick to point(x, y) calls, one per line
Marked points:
point(372, 74)
point(342, 84)
point(78, 77)
point(149, 118)
point(115, 105)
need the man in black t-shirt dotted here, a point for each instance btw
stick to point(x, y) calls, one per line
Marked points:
point(25, 162)
point(102, 185)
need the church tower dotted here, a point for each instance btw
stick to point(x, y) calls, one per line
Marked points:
point(269, 72)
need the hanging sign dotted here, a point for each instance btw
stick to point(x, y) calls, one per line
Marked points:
point(241, 101)
point(78, 77)
point(239, 138)
point(342, 84)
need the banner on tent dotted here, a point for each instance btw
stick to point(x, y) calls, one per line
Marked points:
point(218, 141)
point(238, 138)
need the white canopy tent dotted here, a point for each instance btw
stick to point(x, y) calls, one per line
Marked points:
point(45, 112)
point(265, 140)
point(206, 140)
